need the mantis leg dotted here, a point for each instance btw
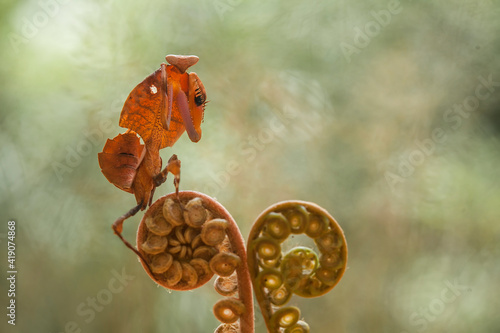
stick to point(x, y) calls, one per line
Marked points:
point(174, 167)
point(118, 228)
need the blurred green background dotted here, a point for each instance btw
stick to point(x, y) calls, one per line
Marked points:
point(385, 113)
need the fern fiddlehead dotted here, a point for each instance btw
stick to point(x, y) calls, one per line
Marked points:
point(277, 275)
point(186, 242)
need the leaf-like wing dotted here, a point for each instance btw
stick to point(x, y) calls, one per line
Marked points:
point(120, 159)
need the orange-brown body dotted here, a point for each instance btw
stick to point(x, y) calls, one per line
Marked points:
point(159, 110)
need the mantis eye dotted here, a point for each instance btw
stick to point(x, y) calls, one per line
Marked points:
point(199, 97)
point(197, 100)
